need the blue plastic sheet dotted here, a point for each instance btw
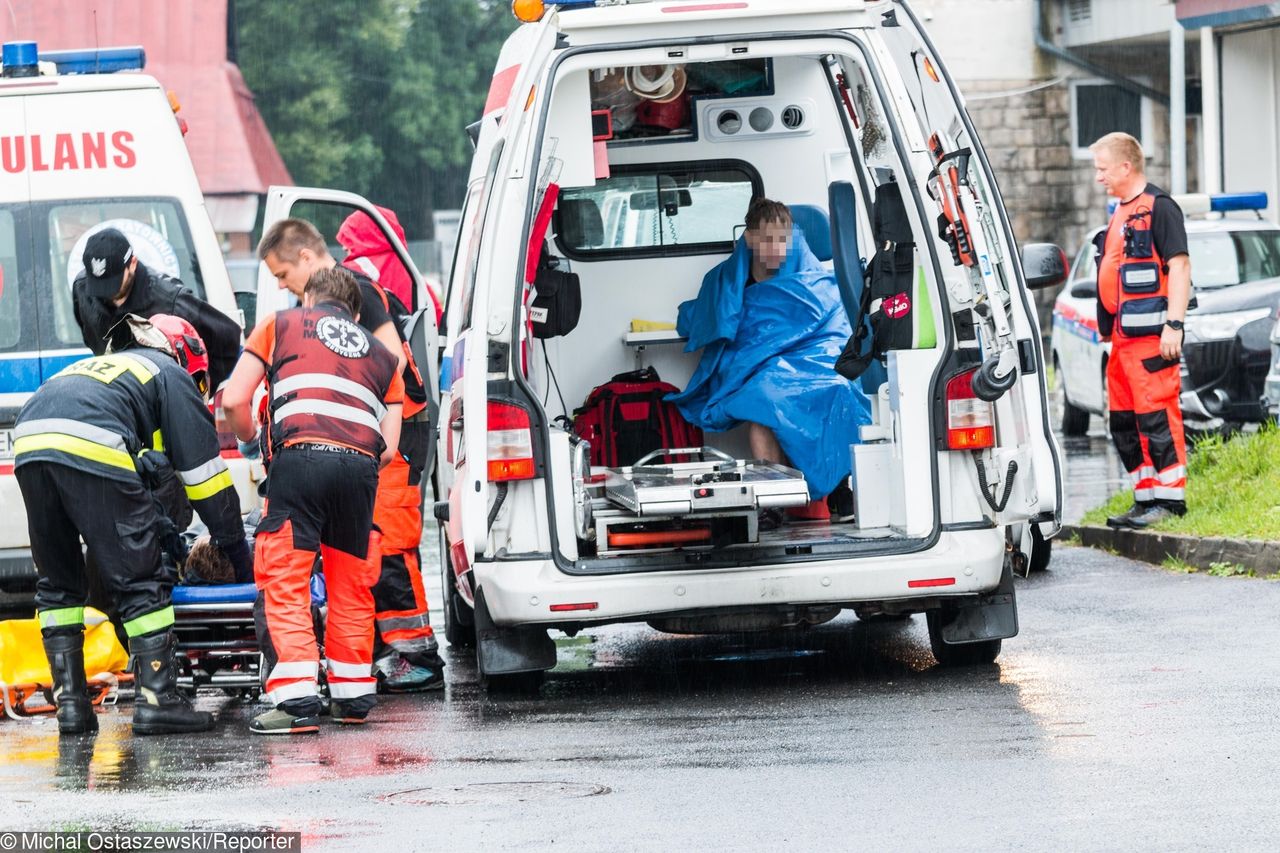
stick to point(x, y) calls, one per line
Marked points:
point(769, 354)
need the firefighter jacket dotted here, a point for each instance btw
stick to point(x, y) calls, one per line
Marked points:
point(99, 414)
point(156, 293)
point(1133, 275)
point(329, 381)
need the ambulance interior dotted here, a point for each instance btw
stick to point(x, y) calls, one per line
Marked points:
point(653, 189)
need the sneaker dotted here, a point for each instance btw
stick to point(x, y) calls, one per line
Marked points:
point(352, 713)
point(1151, 517)
point(1125, 519)
point(840, 502)
point(399, 674)
point(280, 722)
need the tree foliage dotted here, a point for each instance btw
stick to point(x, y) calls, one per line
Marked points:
point(373, 96)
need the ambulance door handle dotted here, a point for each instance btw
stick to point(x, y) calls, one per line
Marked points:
point(456, 424)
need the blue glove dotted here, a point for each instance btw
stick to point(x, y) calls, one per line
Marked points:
point(241, 558)
point(250, 449)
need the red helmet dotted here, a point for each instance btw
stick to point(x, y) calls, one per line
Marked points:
point(185, 345)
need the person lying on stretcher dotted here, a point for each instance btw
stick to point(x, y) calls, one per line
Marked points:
point(770, 324)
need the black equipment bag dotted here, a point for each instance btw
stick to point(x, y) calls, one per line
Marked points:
point(557, 300)
point(885, 309)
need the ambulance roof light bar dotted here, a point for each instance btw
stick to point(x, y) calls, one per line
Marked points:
point(23, 58)
point(529, 11)
point(1194, 204)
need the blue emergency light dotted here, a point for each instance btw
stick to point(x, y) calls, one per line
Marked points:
point(1199, 203)
point(102, 60)
point(23, 58)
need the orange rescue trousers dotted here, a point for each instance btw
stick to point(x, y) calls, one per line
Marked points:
point(1146, 419)
point(318, 503)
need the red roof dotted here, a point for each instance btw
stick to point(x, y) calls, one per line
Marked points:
point(186, 47)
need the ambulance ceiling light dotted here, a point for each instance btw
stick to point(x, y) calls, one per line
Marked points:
point(19, 59)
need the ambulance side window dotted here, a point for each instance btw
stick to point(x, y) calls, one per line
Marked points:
point(477, 232)
point(12, 313)
point(156, 228)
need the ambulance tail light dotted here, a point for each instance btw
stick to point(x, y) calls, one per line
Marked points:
point(510, 442)
point(971, 423)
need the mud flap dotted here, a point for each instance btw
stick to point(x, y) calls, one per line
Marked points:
point(993, 616)
point(506, 650)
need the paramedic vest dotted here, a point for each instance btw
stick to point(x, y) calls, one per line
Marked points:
point(327, 380)
point(1133, 280)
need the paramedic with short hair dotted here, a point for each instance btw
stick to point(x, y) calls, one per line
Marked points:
point(406, 653)
point(1144, 285)
point(333, 418)
point(84, 444)
point(114, 284)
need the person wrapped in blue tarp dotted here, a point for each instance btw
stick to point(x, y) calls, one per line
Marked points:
point(770, 324)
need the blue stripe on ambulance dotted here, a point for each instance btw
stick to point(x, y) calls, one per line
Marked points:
point(24, 373)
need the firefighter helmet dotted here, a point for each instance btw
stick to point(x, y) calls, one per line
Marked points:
point(173, 335)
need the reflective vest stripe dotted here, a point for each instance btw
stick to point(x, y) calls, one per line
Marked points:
point(327, 382)
point(67, 426)
point(210, 487)
point(1150, 318)
point(73, 446)
point(342, 669)
point(286, 669)
point(149, 623)
point(61, 616)
point(197, 475)
point(325, 408)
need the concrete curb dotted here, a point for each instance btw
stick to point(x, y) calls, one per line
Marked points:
point(1262, 557)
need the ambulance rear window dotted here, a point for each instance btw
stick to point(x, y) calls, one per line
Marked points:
point(657, 210)
point(10, 304)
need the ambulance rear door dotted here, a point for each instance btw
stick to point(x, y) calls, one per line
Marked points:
point(419, 327)
point(19, 347)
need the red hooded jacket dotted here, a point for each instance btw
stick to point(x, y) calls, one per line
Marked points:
point(368, 252)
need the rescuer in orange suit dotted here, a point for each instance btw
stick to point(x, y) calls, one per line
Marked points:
point(1144, 286)
point(333, 420)
point(406, 653)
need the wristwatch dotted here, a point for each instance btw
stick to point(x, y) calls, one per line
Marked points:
point(1176, 325)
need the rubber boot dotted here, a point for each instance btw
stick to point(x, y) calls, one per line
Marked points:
point(65, 650)
point(159, 708)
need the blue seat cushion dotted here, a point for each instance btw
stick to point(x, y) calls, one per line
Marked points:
point(236, 593)
point(815, 225)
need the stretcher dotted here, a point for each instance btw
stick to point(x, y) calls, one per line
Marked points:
point(716, 483)
point(217, 644)
point(713, 500)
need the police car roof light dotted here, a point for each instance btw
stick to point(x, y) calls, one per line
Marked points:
point(99, 61)
point(19, 59)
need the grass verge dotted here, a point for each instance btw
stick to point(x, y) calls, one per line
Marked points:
point(1233, 490)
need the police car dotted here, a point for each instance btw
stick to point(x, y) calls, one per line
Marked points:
point(87, 144)
point(1235, 270)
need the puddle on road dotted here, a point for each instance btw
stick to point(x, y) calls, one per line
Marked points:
point(495, 793)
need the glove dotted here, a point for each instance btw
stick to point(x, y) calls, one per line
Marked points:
point(153, 466)
point(241, 558)
point(251, 449)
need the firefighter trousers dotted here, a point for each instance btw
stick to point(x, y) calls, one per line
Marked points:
point(318, 503)
point(1146, 420)
point(118, 521)
point(402, 620)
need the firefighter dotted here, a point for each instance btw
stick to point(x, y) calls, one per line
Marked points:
point(407, 655)
point(114, 283)
point(81, 444)
point(334, 418)
point(1144, 286)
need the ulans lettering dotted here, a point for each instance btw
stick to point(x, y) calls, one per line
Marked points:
point(67, 151)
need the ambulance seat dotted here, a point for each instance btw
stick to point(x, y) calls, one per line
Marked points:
point(815, 225)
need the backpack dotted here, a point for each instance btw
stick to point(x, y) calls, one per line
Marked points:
point(557, 300)
point(886, 296)
point(627, 417)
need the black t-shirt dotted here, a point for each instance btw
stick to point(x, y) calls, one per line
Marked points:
point(1168, 228)
point(372, 312)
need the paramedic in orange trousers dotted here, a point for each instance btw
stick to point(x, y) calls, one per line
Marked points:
point(406, 653)
point(1144, 285)
point(334, 419)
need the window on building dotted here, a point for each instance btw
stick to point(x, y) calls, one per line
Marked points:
point(1099, 107)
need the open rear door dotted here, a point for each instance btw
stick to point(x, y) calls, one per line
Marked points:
point(326, 209)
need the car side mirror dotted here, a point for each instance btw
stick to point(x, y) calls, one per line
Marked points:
point(1084, 290)
point(1043, 265)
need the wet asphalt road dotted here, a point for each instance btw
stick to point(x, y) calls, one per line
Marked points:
point(1132, 712)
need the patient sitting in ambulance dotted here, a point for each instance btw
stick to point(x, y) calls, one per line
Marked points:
point(770, 324)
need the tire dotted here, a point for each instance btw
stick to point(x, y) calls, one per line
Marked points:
point(1041, 551)
point(1075, 421)
point(460, 632)
point(981, 653)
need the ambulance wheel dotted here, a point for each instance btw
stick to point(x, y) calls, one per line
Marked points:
point(459, 621)
point(963, 654)
point(1075, 421)
point(1041, 551)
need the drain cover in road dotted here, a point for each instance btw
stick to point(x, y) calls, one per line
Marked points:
point(496, 792)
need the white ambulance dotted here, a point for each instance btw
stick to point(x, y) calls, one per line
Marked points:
point(628, 139)
point(85, 143)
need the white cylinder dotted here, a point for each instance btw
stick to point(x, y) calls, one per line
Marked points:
point(1177, 109)
point(1210, 114)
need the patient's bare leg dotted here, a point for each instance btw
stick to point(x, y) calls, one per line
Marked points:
point(764, 444)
